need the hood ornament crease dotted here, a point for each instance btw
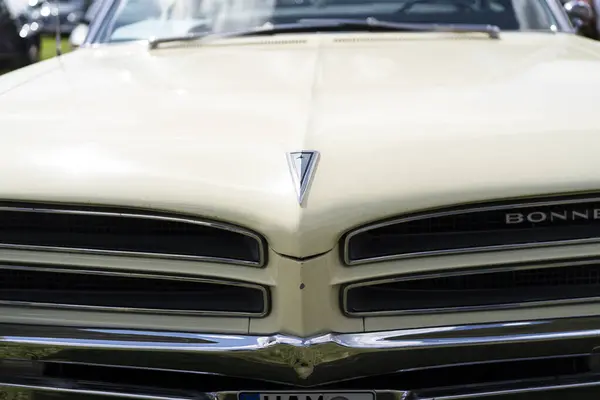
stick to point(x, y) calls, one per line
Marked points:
point(302, 166)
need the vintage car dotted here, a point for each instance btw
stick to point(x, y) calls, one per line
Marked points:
point(302, 199)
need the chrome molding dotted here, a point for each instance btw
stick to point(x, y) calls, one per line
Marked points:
point(225, 282)
point(465, 210)
point(141, 215)
point(31, 389)
point(303, 362)
point(470, 271)
point(41, 388)
point(542, 391)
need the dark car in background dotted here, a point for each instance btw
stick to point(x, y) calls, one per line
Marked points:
point(70, 14)
point(19, 38)
point(588, 25)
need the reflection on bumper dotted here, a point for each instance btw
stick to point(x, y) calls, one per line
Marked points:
point(297, 362)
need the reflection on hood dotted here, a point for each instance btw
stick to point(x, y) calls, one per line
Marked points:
point(220, 12)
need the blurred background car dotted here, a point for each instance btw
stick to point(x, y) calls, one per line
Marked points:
point(584, 15)
point(19, 36)
point(70, 14)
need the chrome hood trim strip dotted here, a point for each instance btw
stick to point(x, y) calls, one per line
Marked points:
point(302, 361)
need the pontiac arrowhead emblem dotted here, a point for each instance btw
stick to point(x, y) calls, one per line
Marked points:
point(302, 167)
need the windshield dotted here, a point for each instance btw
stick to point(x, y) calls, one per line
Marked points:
point(144, 19)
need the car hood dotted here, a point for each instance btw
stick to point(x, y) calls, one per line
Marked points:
point(403, 122)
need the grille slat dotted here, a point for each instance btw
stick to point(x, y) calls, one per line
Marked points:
point(128, 233)
point(125, 291)
point(476, 228)
point(506, 287)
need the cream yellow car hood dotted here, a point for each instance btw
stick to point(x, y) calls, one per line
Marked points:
point(403, 122)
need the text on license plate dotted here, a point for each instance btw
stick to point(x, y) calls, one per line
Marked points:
point(306, 396)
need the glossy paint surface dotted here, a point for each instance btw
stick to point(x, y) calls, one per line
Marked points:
point(403, 122)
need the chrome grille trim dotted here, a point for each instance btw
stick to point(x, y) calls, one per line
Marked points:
point(537, 389)
point(277, 357)
point(165, 277)
point(471, 271)
point(463, 210)
point(141, 215)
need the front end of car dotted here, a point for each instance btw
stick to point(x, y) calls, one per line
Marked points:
point(493, 299)
point(303, 216)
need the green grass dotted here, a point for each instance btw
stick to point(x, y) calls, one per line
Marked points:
point(48, 47)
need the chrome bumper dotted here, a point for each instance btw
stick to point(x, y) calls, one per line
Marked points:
point(295, 362)
point(34, 391)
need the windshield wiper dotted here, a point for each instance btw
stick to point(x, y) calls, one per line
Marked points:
point(334, 25)
point(373, 24)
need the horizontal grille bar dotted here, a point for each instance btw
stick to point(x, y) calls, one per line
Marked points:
point(123, 232)
point(476, 228)
point(132, 292)
point(504, 287)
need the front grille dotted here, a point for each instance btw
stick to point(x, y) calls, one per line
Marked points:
point(74, 288)
point(503, 287)
point(127, 232)
point(476, 228)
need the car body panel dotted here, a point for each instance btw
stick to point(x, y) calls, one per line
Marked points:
point(304, 296)
point(480, 115)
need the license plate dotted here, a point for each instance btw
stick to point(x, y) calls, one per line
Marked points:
point(306, 396)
